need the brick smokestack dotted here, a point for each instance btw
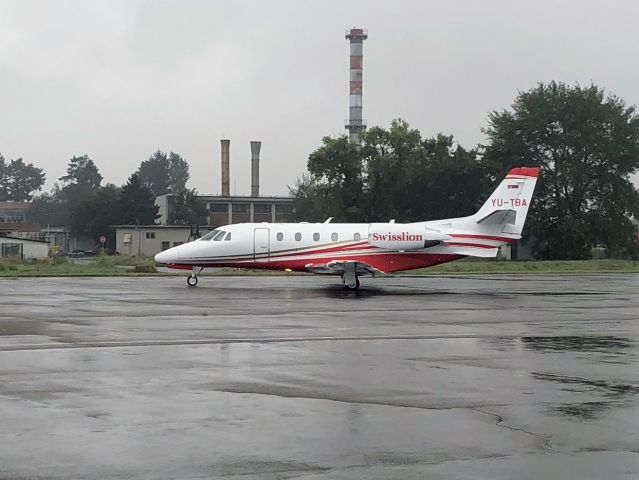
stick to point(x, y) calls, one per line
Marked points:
point(255, 168)
point(226, 181)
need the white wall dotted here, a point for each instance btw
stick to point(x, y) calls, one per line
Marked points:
point(30, 249)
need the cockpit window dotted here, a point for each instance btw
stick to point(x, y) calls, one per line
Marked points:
point(219, 236)
point(228, 237)
point(210, 235)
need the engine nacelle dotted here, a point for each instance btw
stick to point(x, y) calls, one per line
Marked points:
point(395, 236)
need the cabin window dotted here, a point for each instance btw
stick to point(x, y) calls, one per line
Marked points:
point(357, 237)
point(210, 235)
point(334, 237)
point(316, 236)
point(279, 236)
point(298, 236)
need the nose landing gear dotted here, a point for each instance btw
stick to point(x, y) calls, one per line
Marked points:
point(191, 280)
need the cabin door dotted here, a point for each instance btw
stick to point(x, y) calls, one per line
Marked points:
point(261, 247)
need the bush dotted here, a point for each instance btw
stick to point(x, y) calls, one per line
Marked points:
point(8, 264)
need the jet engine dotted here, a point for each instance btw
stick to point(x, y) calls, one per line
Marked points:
point(397, 236)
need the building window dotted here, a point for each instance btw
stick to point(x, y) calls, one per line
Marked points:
point(241, 208)
point(11, 250)
point(165, 245)
point(219, 207)
point(298, 236)
point(316, 237)
point(150, 235)
point(175, 244)
point(15, 219)
point(285, 208)
point(262, 208)
point(357, 237)
point(334, 236)
point(279, 236)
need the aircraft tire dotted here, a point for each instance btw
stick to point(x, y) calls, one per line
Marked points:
point(191, 281)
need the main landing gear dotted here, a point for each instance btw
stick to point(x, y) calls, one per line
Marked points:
point(191, 280)
point(349, 278)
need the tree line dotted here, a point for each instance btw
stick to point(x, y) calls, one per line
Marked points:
point(81, 203)
point(585, 141)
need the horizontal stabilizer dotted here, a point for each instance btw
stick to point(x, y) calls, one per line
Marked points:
point(499, 217)
point(474, 251)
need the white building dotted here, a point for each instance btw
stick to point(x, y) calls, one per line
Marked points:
point(23, 248)
point(149, 240)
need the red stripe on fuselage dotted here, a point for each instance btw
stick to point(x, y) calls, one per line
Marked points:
point(385, 262)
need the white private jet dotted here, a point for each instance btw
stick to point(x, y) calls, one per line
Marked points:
point(354, 249)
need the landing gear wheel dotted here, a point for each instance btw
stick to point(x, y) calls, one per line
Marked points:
point(191, 280)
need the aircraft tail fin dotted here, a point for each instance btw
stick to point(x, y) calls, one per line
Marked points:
point(508, 205)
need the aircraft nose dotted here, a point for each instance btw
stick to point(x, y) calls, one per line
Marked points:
point(167, 256)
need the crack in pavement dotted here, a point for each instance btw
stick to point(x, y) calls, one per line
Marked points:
point(499, 421)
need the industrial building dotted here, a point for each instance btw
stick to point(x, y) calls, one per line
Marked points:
point(225, 209)
point(23, 248)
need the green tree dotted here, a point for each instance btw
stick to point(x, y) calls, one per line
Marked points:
point(164, 173)
point(137, 203)
point(188, 209)
point(178, 173)
point(48, 209)
point(335, 185)
point(587, 144)
point(412, 179)
point(82, 173)
point(81, 181)
point(95, 215)
point(18, 180)
point(396, 174)
point(4, 180)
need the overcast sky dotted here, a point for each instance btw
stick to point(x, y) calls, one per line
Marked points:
point(119, 79)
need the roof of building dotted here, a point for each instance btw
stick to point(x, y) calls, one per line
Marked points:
point(247, 199)
point(184, 227)
point(20, 227)
point(15, 205)
point(23, 240)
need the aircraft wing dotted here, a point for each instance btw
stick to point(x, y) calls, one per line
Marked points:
point(338, 267)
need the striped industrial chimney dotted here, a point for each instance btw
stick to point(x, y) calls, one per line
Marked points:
point(355, 124)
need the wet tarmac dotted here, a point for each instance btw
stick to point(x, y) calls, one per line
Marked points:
point(490, 377)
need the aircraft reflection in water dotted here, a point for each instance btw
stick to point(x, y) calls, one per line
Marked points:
point(354, 249)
